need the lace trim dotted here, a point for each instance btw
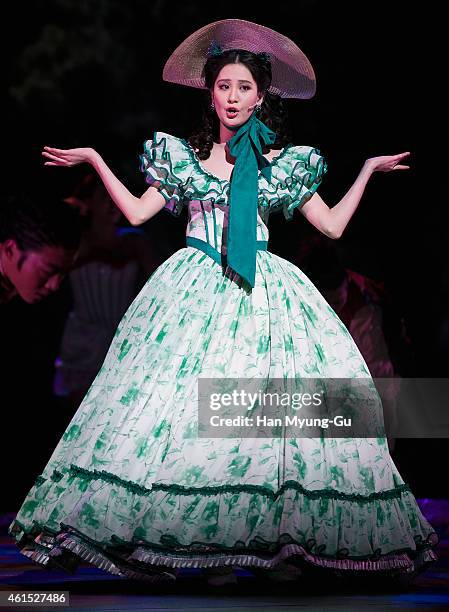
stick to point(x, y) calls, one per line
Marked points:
point(48, 547)
point(285, 193)
point(293, 192)
point(157, 164)
point(200, 168)
point(59, 551)
point(133, 487)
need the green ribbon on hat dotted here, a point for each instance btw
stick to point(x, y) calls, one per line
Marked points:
point(246, 146)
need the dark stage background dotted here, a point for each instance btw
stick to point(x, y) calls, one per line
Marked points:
point(88, 73)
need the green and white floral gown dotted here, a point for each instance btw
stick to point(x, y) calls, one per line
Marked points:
point(132, 489)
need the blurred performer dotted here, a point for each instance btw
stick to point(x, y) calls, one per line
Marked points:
point(114, 262)
point(358, 301)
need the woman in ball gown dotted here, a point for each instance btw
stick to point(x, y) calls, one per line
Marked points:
point(132, 487)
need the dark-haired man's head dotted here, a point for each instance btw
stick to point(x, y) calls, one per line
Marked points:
point(38, 245)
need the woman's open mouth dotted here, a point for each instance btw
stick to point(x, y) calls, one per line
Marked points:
point(231, 112)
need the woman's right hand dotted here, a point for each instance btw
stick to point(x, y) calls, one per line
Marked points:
point(69, 157)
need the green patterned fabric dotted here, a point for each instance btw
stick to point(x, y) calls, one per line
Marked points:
point(132, 489)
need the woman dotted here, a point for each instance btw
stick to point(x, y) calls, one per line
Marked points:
point(131, 487)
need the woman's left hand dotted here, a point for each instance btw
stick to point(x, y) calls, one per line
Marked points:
point(386, 163)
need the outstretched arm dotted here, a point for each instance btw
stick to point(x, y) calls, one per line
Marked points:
point(333, 221)
point(136, 210)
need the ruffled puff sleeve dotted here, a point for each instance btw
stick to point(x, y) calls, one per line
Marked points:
point(295, 178)
point(167, 167)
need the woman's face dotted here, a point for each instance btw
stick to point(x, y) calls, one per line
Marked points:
point(235, 95)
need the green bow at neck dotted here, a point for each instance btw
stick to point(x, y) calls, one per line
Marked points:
point(246, 146)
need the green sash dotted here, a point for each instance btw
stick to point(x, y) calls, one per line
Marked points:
point(246, 146)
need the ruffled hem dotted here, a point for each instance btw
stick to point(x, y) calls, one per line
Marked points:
point(136, 551)
point(68, 548)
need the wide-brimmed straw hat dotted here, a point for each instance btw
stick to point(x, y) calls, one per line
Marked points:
point(292, 73)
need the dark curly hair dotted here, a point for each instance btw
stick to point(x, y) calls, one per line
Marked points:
point(273, 112)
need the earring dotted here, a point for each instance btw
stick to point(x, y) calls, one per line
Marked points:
point(258, 109)
point(212, 106)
